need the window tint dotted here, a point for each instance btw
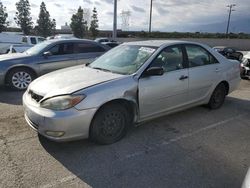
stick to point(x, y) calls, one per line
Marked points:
point(24, 39)
point(33, 40)
point(170, 59)
point(61, 49)
point(41, 39)
point(88, 48)
point(198, 56)
point(230, 50)
point(104, 40)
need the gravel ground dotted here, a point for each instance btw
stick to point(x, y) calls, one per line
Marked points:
point(194, 148)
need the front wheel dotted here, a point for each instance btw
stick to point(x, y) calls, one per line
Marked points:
point(19, 78)
point(218, 97)
point(110, 124)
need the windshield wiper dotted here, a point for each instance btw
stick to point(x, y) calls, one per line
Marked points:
point(98, 68)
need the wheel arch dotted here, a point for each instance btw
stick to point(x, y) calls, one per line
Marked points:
point(129, 104)
point(17, 67)
point(226, 84)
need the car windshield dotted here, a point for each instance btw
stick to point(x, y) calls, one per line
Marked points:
point(37, 48)
point(125, 59)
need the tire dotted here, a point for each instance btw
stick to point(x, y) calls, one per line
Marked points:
point(218, 97)
point(110, 124)
point(20, 78)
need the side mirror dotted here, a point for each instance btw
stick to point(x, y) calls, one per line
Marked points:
point(47, 54)
point(154, 71)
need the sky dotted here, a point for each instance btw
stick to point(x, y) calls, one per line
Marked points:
point(168, 15)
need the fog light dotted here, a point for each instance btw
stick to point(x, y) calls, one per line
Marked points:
point(55, 133)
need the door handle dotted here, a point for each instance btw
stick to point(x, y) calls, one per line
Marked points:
point(183, 77)
point(217, 70)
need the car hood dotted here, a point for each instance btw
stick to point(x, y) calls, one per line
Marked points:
point(12, 56)
point(70, 80)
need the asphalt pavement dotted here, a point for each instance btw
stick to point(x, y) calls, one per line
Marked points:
point(193, 148)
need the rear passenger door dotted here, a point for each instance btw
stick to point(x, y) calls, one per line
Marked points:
point(204, 72)
point(86, 52)
point(61, 56)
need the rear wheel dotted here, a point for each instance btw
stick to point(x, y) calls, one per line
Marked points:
point(20, 78)
point(110, 124)
point(218, 97)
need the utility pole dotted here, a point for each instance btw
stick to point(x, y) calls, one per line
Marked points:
point(229, 15)
point(115, 21)
point(150, 17)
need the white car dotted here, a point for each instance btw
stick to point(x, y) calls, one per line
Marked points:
point(245, 66)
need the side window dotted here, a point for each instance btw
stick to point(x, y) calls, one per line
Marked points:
point(33, 40)
point(55, 50)
point(198, 56)
point(24, 40)
point(170, 59)
point(230, 50)
point(40, 40)
point(88, 48)
point(62, 49)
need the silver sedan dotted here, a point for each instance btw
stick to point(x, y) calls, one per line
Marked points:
point(130, 84)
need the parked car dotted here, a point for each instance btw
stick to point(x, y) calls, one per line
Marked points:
point(62, 36)
point(18, 70)
point(101, 40)
point(18, 48)
point(108, 42)
point(32, 40)
point(111, 44)
point(229, 52)
point(11, 43)
point(130, 84)
point(245, 66)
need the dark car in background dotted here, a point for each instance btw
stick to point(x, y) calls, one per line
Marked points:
point(108, 42)
point(19, 70)
point(229, 52)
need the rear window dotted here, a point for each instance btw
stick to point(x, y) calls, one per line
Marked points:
point(33, 40)
point(24, 40)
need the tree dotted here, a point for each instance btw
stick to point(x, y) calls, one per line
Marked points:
point(3, 17)
point(78, 24)
point(53, 27)
point(23, 18)
point(46, 26)
point(94, 24)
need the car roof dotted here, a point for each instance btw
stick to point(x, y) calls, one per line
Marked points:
point(159, 43)
point(70, 40)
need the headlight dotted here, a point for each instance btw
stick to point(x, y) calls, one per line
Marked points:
point(62, 102)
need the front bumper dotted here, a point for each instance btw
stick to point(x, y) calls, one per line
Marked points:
point(72, 123)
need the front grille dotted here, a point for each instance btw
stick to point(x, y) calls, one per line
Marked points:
point(35, 96)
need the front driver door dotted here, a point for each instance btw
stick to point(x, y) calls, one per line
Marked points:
point(158, 94)
point(61, 56)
